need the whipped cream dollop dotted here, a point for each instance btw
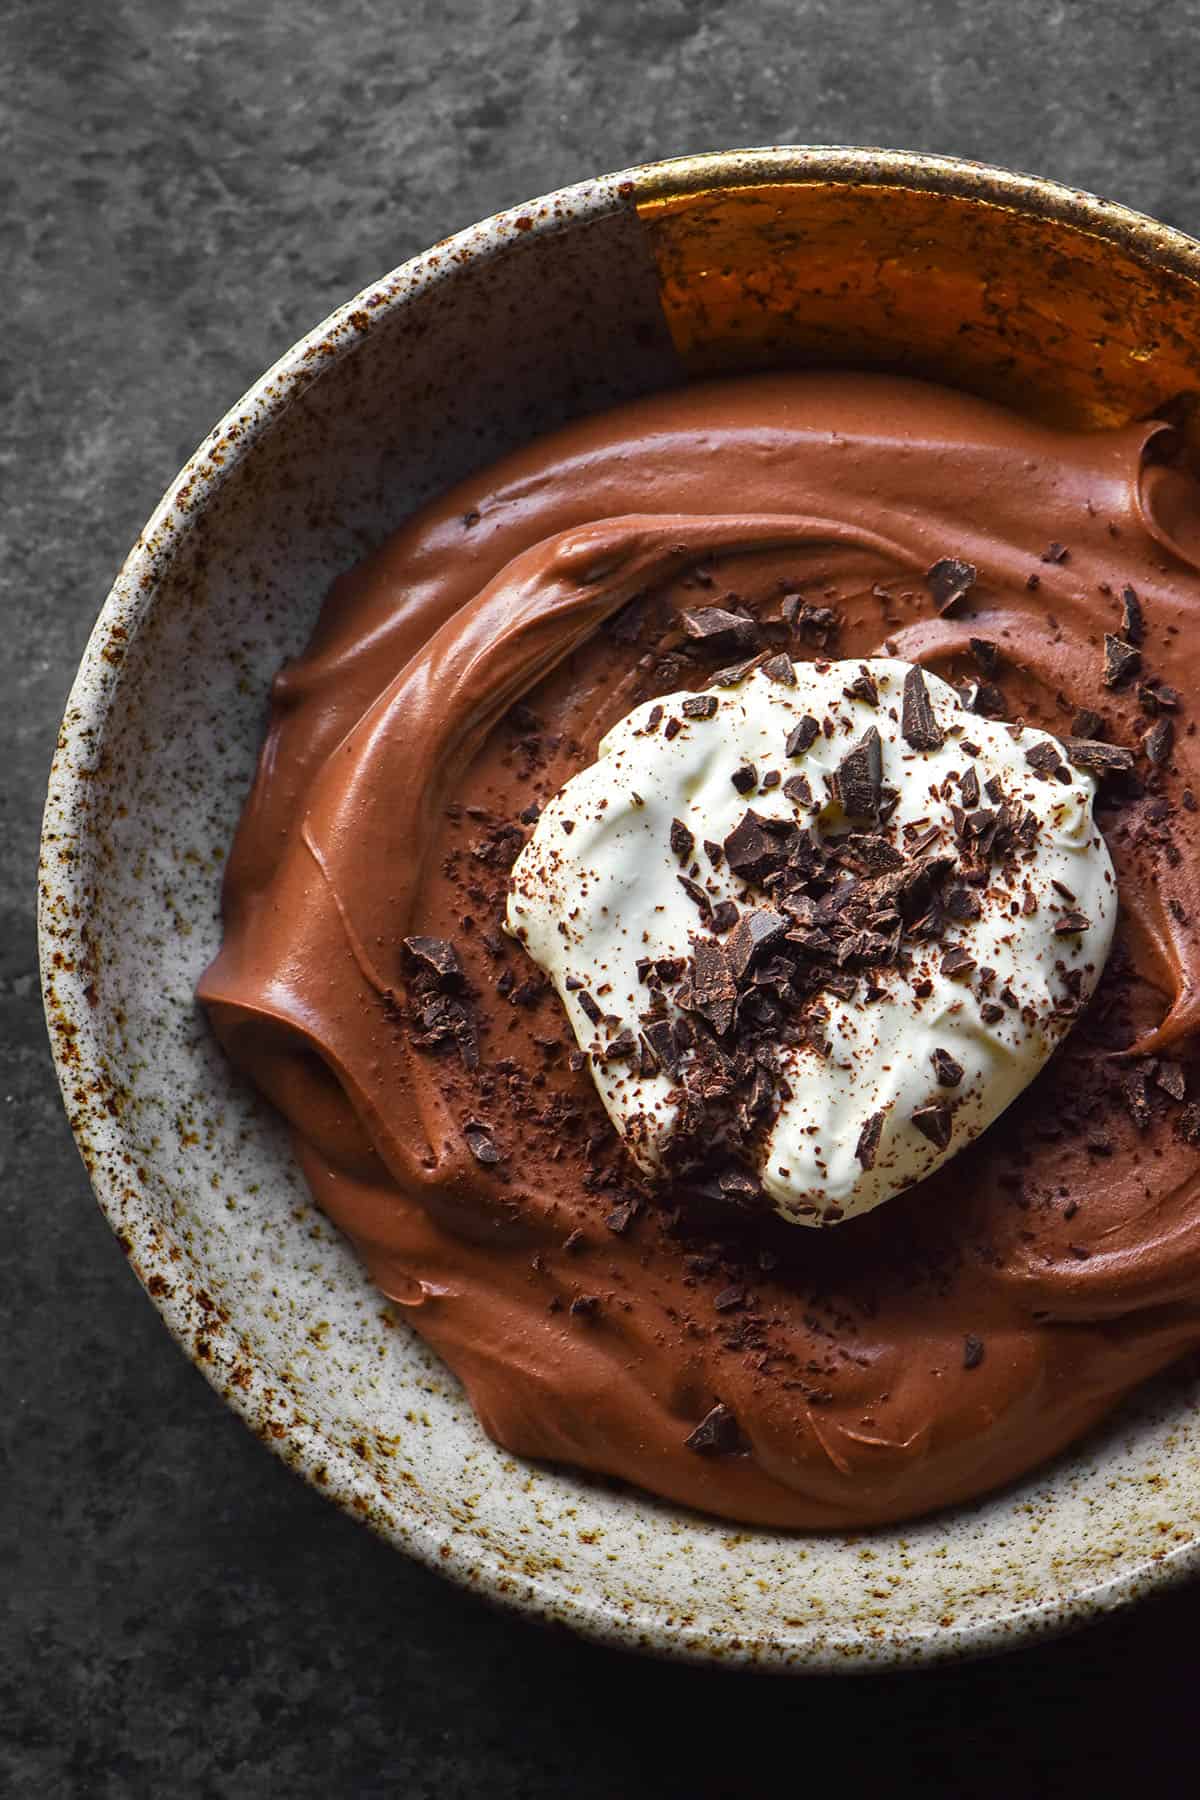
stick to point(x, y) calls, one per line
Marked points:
point(816, 927)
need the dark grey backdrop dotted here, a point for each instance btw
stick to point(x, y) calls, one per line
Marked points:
point(186, 189)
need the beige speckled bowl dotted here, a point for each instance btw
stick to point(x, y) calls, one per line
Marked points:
point(1061, 303)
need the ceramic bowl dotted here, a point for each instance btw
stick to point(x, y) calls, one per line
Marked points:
point(1053, 300)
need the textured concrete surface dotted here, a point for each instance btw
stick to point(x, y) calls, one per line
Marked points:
point(184, 191)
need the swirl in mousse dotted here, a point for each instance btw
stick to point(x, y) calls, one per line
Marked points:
point(716, 908)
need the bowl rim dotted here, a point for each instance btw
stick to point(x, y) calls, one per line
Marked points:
point(63, 875)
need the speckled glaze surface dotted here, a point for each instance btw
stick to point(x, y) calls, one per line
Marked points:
point(608, 289)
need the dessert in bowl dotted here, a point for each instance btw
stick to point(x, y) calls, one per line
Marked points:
point(590, 1235)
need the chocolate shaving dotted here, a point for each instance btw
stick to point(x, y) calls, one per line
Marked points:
point(918, 721)
point(1120, 661)
point(717, 1434)
point(950, 581)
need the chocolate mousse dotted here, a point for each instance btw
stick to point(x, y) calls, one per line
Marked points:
point(661, 1323)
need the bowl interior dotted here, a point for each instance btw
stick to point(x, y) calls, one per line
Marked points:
point(609, 290)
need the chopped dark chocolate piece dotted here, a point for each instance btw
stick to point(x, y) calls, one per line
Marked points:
point(437, 955)
point(799, 790)
point(713, 626)
point(949, 1073)
point(949, 581)
point(781, 669)
point(752, 850)
point(802, 736)
point(1159, 742)
point(1120, 660)
point(724, 916)
point(957, 961)
point(700, 706)
point(1055, 553)
point(661, 1039)
point(1188, 1125)
point(481, 1143)
point(1046, 759)
point(621, 1048)
point(972, 1351)
point(717, 1434)
point(589, 1006)
point(621, 1217)
point(868, 1140)
point(986, 654)
point(1097, 758)
point(754, 932)
point(988, 701)
point(991, 1013)
point(734, 673)
point(585, 1306)
point(863, 687)
point(1133, 625)
point(695, 893)
point(682, 840)
point(918, 721)
point(859, 777)
point(969, 788)
point(1086, 724)
point(730, 1299)
point(745, 778)
point(1169, 1076)
point(714, 990)
point(935, 1121)
point(770, 780)
point(962, 904)
point(1135, 1090)
point(1069, 923)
